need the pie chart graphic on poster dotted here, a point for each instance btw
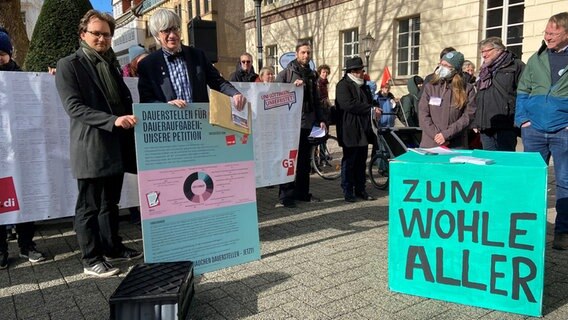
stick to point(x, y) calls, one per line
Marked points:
point(198, 187)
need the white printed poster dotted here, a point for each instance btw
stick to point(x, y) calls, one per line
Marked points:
point(35, 173)
point(276, 118)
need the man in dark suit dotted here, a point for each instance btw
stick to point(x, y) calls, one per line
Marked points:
point(178, 74)
point(101, 140)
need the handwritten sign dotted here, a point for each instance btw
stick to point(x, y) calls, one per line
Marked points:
point(471, 234)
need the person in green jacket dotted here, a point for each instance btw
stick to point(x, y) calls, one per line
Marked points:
point(408, 115)
point(542, 113)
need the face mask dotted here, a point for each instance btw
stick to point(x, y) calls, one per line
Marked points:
point(444, 72)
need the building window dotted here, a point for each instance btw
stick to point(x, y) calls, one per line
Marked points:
point(267, 2)
point(189, 10)
point(272, 57)
point(504, 19)
point(23, 16)
point(408, 47)
point(206, 6)
point(177, 9)
point(350, 44)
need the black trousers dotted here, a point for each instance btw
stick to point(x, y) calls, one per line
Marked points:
point(299, 189)
point(353, 169)
point(96, 218)
point(25, 233)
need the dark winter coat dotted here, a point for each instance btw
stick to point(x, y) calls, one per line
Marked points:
point(155, 85)
point(241, 75)
point(10, 66)
point(409, 103)
point(354, 104)
point(98, 148)
point(311, 109)
point(496, 104)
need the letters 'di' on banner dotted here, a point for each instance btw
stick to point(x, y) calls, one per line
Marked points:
point(467, 233)
point(197, 188)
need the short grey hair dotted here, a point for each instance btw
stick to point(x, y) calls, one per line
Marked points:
point(560, 20)
point(467, 63)
point(163, 19)
point(494, 42)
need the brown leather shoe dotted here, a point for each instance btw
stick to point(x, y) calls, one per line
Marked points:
point(560, 241)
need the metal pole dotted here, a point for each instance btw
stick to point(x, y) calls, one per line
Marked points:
point(257, 4)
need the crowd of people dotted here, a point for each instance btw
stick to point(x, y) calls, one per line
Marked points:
point(506, 98)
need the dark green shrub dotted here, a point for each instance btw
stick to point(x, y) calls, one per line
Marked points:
point(55, 34)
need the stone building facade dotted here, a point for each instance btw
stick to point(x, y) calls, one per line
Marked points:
point(132, 18)
point(408, 34)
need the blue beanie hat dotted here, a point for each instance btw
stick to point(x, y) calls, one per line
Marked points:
point(5, 44)
point(134, 52)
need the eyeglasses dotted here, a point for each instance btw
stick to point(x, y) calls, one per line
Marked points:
point(487, 50)
point(245, 61)
point(551, 34)
point(97, 34)
point(170, 30)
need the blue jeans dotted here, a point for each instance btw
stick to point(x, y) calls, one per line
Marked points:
point(555, 145)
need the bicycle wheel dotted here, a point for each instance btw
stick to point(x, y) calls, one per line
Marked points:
point(327, 159)
point(378, 170)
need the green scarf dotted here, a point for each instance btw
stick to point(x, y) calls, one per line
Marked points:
point(103, 63)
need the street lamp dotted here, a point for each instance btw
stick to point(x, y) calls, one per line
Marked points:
point(257, 5)
point(368, 42)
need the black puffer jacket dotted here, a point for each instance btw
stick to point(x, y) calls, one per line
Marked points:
point(496, 104)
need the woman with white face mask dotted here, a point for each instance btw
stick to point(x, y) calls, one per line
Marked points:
point(447, 105)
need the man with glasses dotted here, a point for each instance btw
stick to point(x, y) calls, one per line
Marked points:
point(355, 105)
point(245, 70)
point(178, 74)
point(542, 112)
point(496, 95)
point(101, 140)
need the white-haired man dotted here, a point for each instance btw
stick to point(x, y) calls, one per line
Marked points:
point(178, 74)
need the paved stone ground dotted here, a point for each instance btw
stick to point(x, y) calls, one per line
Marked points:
point(319, 261)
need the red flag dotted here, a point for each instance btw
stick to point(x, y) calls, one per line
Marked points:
point(386, 76)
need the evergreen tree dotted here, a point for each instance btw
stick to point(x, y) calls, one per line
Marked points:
point(55, 34)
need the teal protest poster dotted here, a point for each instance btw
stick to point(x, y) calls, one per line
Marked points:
point(197, 188)
point(470, 234)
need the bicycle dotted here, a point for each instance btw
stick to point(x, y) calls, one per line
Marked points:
point(326, 157)
point(391, 142)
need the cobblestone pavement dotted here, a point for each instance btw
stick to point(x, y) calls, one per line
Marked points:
point(323, 260)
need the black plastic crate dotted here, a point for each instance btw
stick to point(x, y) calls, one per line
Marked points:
point(155, 291)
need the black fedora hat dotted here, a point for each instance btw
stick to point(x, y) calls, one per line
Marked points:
point(354, 64)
